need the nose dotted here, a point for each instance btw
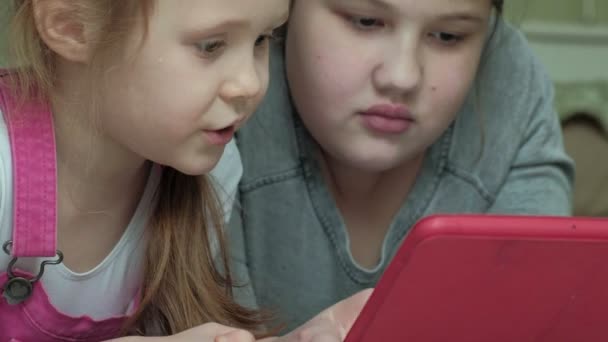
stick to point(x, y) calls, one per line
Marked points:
point(244, 81)
point(400, 70)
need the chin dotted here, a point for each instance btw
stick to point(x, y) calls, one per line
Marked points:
point(196, 169)
point(374, 163)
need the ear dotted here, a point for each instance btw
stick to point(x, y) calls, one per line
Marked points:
point(61, 28)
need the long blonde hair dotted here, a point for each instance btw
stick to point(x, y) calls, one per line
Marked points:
point(183, 285)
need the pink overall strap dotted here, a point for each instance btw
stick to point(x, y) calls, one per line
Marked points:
point(32, 139)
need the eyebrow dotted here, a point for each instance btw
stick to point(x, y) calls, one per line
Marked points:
point(196, 34)
point(463, 16)
point(382, 4)
point(241, 23)
point(228, 24)
point(377, 3)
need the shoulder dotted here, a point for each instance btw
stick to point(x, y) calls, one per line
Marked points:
point(512, 88)
point(509, 107)
point(510, 73)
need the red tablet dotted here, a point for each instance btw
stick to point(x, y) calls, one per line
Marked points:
point(493, 278)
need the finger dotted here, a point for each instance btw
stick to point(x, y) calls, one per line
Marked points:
point(325, 337)
point(332, 324)
point(310, 332)
point(345, 312)
point(320, 333)
point(320, 329)
point(236, 336)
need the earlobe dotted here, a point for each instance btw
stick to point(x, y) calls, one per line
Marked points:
point(61, 28)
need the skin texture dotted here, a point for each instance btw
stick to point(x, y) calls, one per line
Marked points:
point(163, 95)
point(419, 56)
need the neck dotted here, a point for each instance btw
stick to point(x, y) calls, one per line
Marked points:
point(95, 173)
point(99, 181)
point(368, 202)
point(355, 187)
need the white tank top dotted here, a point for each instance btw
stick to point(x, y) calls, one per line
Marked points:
point(111, 286)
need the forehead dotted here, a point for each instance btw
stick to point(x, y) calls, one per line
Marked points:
point(195, 12)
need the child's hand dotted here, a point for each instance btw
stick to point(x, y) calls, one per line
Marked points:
point(213, 332)
point(331, 325)
point(209, 332)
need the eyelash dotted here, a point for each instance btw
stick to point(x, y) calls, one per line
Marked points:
point(212, 48)
point(359, 23)
point(356, 21)
point(265, 38)
point(452, 38)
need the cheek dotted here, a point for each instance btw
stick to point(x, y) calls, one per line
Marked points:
point(332, 62)
point(343, 73)
point(330, 75)
point(450, 84)
point(171, 76)
point(180, 88)
point(170, 108)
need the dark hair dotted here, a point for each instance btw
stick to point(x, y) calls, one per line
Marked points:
point(499, 5)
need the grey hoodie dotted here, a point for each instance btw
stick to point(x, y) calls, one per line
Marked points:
point(289, 240)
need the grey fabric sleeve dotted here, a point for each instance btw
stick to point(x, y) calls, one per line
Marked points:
point(541, 177)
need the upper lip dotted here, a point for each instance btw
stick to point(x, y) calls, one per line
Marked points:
point(389, 110)
point(234, 125)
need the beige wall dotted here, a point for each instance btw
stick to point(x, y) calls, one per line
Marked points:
point(570, 36)
point(581, 13)
point(3, 24)
point(565, 11)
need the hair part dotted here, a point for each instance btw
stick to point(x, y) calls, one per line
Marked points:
point(184, 284)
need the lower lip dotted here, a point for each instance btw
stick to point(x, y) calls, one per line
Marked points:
point(383, 124)
point(220, 137)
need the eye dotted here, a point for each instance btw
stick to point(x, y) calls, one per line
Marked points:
point(210, 48)
point(263, 39)
point(366, 23)
point(446, 38)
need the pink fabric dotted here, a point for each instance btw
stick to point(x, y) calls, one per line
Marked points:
point(34, 231)
point(36, 320)
point(34, 172)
